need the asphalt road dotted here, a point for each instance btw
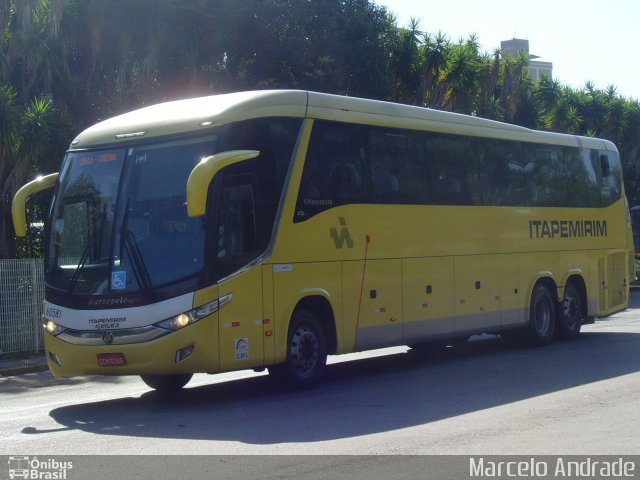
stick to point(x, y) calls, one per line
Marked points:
point(486, 397)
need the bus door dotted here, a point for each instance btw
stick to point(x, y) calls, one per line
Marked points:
point(238, 243)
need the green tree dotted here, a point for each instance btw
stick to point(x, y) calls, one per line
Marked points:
point(31, 133)
point(460, 77)
point(488, 102)
point(433, 59)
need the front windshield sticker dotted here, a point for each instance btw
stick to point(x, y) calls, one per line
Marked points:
point(118, 280)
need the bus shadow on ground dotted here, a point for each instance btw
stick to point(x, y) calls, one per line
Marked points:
point(365, 396)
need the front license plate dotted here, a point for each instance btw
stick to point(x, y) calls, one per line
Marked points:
point(111, 359)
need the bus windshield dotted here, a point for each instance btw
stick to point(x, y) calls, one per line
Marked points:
point(119, 221)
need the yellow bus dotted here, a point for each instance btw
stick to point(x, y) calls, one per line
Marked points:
point(274, 228)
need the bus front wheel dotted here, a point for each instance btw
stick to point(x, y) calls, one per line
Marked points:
point(542, 314)
point(306, 352)
point(166, 383)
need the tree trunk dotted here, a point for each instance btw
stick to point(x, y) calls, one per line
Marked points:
point(14, 180)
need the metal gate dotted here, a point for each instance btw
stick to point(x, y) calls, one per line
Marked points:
point(21, 298)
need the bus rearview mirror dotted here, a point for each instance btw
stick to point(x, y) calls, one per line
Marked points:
point(203, 173)
point(19, 204)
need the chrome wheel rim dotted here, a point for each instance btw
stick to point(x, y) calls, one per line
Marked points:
point(571, 311)
point(304, 350)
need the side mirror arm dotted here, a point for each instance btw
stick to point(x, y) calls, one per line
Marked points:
point(203, 173)
point(19, 204)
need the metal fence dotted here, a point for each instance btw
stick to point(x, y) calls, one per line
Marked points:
point(21, 297)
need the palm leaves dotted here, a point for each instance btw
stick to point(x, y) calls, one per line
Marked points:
point(25, 138)
point(93, 58)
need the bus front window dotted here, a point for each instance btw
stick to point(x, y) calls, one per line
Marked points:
point(120, 221)
point(156, 243)
point(82, 221)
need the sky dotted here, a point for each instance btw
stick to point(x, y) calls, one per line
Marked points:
point(596, 40)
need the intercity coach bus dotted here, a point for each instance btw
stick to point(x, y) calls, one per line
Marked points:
point(274, 228)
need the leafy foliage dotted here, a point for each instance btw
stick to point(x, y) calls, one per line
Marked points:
point(65, 64)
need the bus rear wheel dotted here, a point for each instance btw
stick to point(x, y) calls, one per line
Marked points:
point(306, 352)
point(542, 314)
point(166, 383)
point(571, 314)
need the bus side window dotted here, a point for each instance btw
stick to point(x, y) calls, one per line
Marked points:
point(333, 170)
point(345, 181)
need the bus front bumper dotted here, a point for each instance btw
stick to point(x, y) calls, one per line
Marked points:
point(189, 350)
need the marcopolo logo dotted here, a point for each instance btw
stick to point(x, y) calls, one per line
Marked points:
point(40, 469)
point(343, 237)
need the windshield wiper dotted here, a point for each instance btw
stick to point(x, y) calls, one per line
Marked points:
point(129, 245)
point(76, 273)
point(73, 281)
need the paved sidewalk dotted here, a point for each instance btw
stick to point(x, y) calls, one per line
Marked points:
point(17, 365)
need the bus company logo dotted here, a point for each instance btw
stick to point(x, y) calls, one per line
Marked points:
point(567, 228)
point(34, 468)
point(343, 237)
point(107, 337)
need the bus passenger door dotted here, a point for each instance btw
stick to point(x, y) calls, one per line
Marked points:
point(238, 242)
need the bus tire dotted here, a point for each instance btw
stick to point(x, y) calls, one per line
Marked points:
point(306, 352)
point(571, 313)
point(166, 383)
point(542, 315)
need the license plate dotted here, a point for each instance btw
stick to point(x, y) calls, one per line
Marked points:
point(111, 359)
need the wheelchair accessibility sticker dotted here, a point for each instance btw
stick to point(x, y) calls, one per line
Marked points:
point(118, 280)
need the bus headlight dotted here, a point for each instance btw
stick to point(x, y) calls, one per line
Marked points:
point(52, 327)
point(182, 320)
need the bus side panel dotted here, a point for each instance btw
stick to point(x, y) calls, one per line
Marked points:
point(477, 291)
point(373, 302)
point(427, 291)
point(512, 310)
point(292, 284)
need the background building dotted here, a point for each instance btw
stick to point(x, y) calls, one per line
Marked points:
point(536, 68)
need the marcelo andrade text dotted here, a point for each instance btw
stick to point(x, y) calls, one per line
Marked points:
point(556, 468)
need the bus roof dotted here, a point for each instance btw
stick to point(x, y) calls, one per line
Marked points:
point(199, 114)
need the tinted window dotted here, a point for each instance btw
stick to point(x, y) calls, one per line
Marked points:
point(355, 164)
